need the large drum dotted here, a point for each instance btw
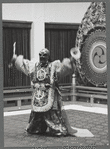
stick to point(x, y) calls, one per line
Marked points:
point(91, 40)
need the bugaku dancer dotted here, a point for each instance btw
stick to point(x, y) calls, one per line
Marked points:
point(46, 111)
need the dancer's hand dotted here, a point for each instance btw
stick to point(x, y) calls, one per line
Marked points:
point(14, 56)
point(75, 53)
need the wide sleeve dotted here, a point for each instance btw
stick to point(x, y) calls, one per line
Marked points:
point(24, 65)
point(64, 68)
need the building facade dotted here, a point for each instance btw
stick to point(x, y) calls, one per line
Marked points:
point(34, 26)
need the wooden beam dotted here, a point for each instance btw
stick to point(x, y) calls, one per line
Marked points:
point(16, 24)
point(17, 98)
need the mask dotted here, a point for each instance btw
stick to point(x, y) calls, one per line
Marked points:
point(44, 56)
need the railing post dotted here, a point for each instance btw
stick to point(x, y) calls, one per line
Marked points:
point(19, 104)
point(91, 100)
point(74, 88)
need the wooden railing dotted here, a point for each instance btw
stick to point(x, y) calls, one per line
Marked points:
point(19, 98)
point(23, 97)
point(87, 92)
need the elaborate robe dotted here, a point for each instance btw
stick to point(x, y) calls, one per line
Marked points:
point(46, 99)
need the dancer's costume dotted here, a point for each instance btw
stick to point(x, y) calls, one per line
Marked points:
point(46, 99)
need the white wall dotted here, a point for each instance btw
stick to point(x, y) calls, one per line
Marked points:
point(65, 12)
point(39, 13)
point(14, 11)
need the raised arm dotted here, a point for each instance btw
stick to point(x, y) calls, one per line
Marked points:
point(67, 66)
point(25, 65)
point(64, 68)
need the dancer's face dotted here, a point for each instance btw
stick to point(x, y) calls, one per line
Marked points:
point(44, 56)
